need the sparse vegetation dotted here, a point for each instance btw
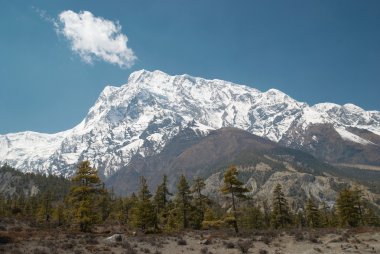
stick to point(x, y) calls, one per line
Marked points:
point(153, 222)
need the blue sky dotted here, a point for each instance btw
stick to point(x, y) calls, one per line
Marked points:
point(315, 51)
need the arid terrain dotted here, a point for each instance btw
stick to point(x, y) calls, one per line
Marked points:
point(16, 237)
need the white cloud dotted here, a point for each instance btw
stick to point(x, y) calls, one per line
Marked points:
point(95, 38)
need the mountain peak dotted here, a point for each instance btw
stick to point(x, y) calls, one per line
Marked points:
point(352, 107)
point(142, 116)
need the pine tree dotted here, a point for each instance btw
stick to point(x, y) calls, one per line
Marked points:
point(371, 218)
point(104, 204)
point(348, 207)
point(313, 215)
point(280, 217)
point(45, 208)
point(144, 216)
point(58, 214)
point(212, 219)
point(161, 197)
point(200, 202)
point(173, 222)
point(3, 206)
point(358, 203)
point(83, 197)
point(234, 188)
point(300, 219)
point(161, 201)
point(325, 215)
point(183, 200)
point(252, 218)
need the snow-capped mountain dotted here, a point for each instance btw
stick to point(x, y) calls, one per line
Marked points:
point(140, 117)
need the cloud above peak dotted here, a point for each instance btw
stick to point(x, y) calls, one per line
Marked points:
point(94, 38)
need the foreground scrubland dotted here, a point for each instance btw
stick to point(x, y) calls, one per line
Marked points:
point(19, 237)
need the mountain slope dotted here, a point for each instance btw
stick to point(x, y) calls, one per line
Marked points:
point(14, 183)
point(262, 164)
point(139, 118)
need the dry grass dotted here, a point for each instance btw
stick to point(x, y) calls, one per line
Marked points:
point(44, 240)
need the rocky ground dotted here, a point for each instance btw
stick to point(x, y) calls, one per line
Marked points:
point(16, 237)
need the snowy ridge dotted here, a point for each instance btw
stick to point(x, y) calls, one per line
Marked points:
point(140, 117)
point(346, 135)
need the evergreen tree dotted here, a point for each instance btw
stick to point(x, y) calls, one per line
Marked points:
point(371, 218)
point(161, 201)
point(161, 197)
point(104, 204)
point(280, 217)
point(200, 202)
point(83, 197)
point(58, 214)
point(313, 215)
point(234, 188)
point(358, 199)
point(144, 216)
point(3, 205)
point(334, 220)
point(212, 219)
point(300, 219)
point(325, 215)
point(252, 218)
point(348, 207)
point(45, 208)
point(183, 200)
point(173, 222)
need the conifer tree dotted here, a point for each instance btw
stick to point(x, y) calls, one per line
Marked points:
point(161, 201)
point(313, 215)
point(349, 208)
point(58, 214)
point(212, 220)
point(325, 215)
point(358, 199)
point(280, 216)
point(144, 216)
point(104, 205)
point(234, 188)
point(173, 222)
point(45, 208)
point(83, 197)
point(162, 194)
point(183, 200)
point(300, 220)
point(252, 218)
point(2, 205)
point(371, 218)
point(200, 201)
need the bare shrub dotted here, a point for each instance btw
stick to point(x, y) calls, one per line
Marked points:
point(181, 242)
point(39, 251)
point(128, 248)
point(204, 250)
point(314, 238)
point(298, 236)
point(229, 245)
point(244, 246)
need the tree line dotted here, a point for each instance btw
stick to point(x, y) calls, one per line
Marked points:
point(89, 203)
